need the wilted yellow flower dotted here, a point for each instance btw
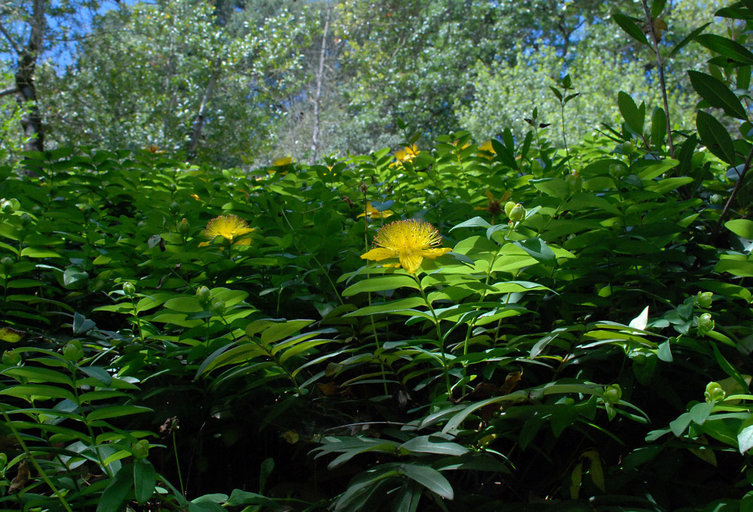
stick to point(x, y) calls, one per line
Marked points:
point(196, 196)
point(494, 205)
point(229, 227)
point(407, 154)
point(410, 241)
point(373, 213)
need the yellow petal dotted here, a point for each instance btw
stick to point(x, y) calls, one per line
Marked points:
point(379, 254)
point(410, 261)
point(435, 253)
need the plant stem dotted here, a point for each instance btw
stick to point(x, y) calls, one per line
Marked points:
point(660, 66)
point(440, 338)
point(733, 195)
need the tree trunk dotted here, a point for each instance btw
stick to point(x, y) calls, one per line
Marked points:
point(318, 92)
point(198, 124)
point(26, 92)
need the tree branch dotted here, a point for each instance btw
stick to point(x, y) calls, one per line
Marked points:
point(9, 90)
point(10, 39)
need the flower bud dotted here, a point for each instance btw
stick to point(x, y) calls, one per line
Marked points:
point(26, 219)
point(140, 449)
point(716, 199)
point(714, 392)
point(204, 295)
point(705, 324)
point(703, 299)
point(217, 307)
point(509, 205)
point(612, 393)
point(518, 213)
point(129, 289)
point(7, 206)
point(184, 227)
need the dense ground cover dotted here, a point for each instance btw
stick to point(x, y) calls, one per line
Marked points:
point(504, 326)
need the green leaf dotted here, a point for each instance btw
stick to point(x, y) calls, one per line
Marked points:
point(538, 249)
point(658, 127)
point(389, 307)
point(745, 439)
point(657, 6)
point(117, 490)
point(380, 284)
point(144, 479)
point(239, 498)
point(726, 47)
point(475, 222)
point(280, 331)
point(717, 94)
point(633, 115)
point(31, 392)
point(429, 478)
point(73, 276)
point(715, 137)
point(34, 252)
point(629, 25)
point(98, 373)
point(741, 227)
point(686, 40)
point(426, 444)
point(116, 411)
point(185, 304)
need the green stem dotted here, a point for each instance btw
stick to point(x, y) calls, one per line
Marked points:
point(177, 465)
point(440, 338)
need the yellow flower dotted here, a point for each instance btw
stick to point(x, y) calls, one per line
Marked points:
point(282, 162)
point(407, 154)
point(408, 240)
point(373, 213)
point(229, 227)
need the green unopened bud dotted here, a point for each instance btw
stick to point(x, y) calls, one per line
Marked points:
point(11, 357)
point(518, 213)
point(26, 219)
point(217, 307)
point(174, 206)
point(509, 205)
point(73, 351)
point(714, 392)
point(716, 199)
point(627, 147)
point(204, 295)
point(705, 324)
point(703, 299)
point(7, 206)
point(129, 289)
point(140, 449)
point(612, 393)
point(184, 227)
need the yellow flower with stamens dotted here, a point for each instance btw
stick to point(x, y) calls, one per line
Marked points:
point(373, 213)
point(407, 154)
point(410, 241)
point(229, 227)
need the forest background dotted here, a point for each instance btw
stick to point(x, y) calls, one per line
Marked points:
point(246, 82)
